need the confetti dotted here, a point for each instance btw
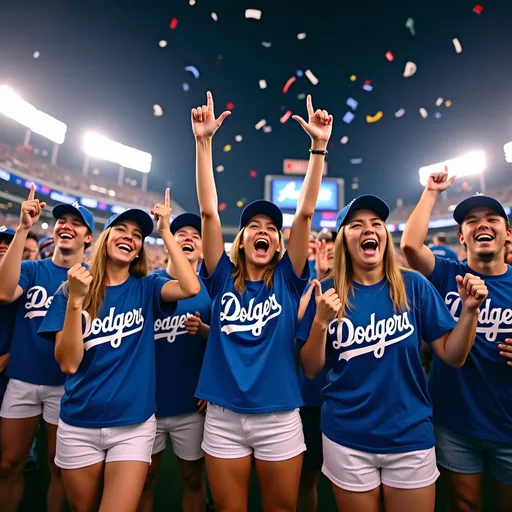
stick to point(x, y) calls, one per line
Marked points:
point(214, 16)
point(353, 78)
point(302, 35)
point(239, 138)
point(193, 70)
point(439, 102)
point(457, 45)
point(186, 87)
point(157, 111)
point(390, 56)
point(410, 25)
point(377, 117)
point(36, 55)
point(230, 106)
point(348, 117)
point(355, 185)
point(410, 69)
point(267, 128)
point(344, 140)
point(219, 168)
point(288, 84)
point(438, 115)
point(312, 78)
point(227, 148)
point(162, 44)
point(222, 207)
point(266, 44)
point(255, 14)
point(356, 161)
point(352, 103)
point(300, 73)
point(192, 2)
point(400, 113)
point(263, 84)
point(448, 103)
point(301, 96)
point(423, 112)
point(239, 204)
point(368, 87)
point(260, 124)
point(286, 116)
point(253, 174)
point(478, 9)
point(173, 24)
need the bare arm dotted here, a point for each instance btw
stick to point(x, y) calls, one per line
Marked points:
point(69, 343)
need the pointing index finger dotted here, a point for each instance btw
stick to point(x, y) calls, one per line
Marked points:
point(32, 192)
point(167, 196)
point(209, 101)
point(309, 104)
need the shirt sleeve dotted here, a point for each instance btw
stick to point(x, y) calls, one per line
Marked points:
point(27, 274)
point(161, 308)
point(445, 270)
point(215, 281)
point(53, 322)
point(295, 283)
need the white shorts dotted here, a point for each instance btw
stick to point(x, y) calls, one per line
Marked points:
point(186, 433)
point(25, 400)
point(79, 447)
point(273, 436)
point(358, 471)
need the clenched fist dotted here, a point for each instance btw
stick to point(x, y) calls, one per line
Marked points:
point(79, 279)
point(472, 291)
point(327, 304)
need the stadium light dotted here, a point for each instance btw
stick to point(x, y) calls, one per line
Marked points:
point(507, 148)
point(468, 165)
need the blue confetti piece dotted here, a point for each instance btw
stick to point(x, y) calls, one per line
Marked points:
point(348, 117)
point(186, 87)
point(368, 88)
point(300, 73)
point(352, 103)
point(438, 115)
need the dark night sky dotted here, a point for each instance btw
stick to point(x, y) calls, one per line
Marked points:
point(101, 68)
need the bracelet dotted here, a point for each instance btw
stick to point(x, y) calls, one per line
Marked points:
point(318, 151)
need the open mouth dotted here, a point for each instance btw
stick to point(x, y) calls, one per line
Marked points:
point(66, 236)
point(125, 248)
point(261, 245)
point(483, 238)
point(187, 248)
point(369, 246)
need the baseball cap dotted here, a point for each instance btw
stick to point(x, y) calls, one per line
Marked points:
point(186, 219)
point(139, 216)
point(364, 202)
point(6, 233)
point(478, 201)
point(262, 207)
point(76, 208)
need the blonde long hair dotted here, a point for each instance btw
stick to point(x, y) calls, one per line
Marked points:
point(342, 275)
point(238, 258)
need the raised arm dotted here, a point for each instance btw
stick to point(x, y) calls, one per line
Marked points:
point(204, 126)
point(319, 128)
point(418, 255)
point(69, 343)
point(186, 284)
point(10, 267)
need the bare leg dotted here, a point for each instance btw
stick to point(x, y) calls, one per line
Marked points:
point(464, 490)
point(505, 496)
point(148, 494)
point(56, 499)
point(308, 490)
point(349, 501)
point(419, 500)
point(83, 487)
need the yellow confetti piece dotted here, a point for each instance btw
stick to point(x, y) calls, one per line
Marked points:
point(353, 78)
point(373, 119)
point(448, 103)
point(239, 204)
point(227, 148)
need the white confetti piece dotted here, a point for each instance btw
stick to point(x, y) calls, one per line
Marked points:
point(302, 35)
point(214, 16)
point(344, 140)
point(157, 111)
point(400, 113)
point(36, 55)
point(439, 102)
point(356, 161)
point(312, 78)
point(255, 14)
point(423, 112)
point(410, 69)
point(260, 124)
point(457, 45)
point(162, 44)
point(239, 138)
point(263, 84)
point(266, 44)
point(219, 168)
point(192, 2)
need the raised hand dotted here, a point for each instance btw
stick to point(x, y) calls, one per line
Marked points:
point(193, 323)
point(79, 279)
point(327, 304)
point(439, 182)
point(162, 213)
point(506, 350)
point(204, 123)
point(322, 259)
point(472, 291)
point(319, 127)
point(31, 209)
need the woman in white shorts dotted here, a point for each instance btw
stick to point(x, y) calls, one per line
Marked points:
point(369, 318)
point(249, 376)
point(102, 322)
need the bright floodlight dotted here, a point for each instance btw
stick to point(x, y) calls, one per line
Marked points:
point(508, 152)
point(14, 106)
point(467, 165)
point(98, 146)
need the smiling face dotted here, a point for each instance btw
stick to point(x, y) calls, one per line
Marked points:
point(124, 241)
point(30, 250)
point(71, 234)
point(366, 239)
point(189, 240)
point(484, 233)
point(260, 241)
point(4, 245)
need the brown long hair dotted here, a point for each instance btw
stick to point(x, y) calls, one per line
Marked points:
point(238, 258)
point(96, 294)
point(342, 275)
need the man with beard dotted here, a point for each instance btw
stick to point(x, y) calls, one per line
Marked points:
point(472, 411)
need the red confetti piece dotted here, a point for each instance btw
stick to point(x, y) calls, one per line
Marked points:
point(286, 116)
point(222, 207)
point(331, 145)
point(173, 24)
point(288, 84)
point(478, 9)
point(230, 106)
point(390, 56)
point(367, 82)
point(253, 174)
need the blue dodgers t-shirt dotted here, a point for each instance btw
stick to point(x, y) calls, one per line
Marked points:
point(249, 365)
point(376, 397)
point(476, 399)
point(179, 356)
point(444, 251)
point(32, 357)
point(115, 382)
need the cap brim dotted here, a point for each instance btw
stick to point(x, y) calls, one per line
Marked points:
point(186, 219)
point(142, 218)
point(464, 207)
point(262, 207)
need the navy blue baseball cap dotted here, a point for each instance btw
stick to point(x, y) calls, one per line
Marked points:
point(142, 218)
point(77, 209)
point(262, 207)
point(6, 233)
point(186, 219)
point(479, 201)
point(364, 202)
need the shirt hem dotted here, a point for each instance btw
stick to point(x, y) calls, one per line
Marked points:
point(107, 424)
point(252, 410)
point(458, 430)
point(35, 382)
